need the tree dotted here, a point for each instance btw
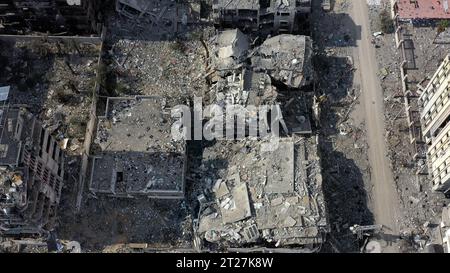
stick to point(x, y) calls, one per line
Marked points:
point(387, 24)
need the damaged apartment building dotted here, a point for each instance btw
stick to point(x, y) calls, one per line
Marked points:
point(32, 172)
point(265, 16)
point(54, 16)
point(435, 119)
point(269, 197)
point(162, 16)
point(135, 155)
point(283, 61)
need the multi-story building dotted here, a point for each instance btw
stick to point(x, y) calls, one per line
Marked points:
point(435, 119)
point(280, 16)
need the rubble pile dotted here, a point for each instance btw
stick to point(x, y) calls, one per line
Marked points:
point(55, 80)
point(257, 197)
point(286, 58)
point(137, 155)
point(170, 69)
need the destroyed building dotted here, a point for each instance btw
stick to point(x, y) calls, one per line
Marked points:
point(136, 153)
point(435, 119)
point(253, 195)
point(259, 196)
point(266, 16)
point(54, 16)
point(32, 173)
point(229, 50)
point(286, 58)
point(163, 16)
point(243, 87)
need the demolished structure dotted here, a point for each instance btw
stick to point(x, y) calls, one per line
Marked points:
point(32, 171)
point(445, 228)
point(163, 16)
point(435, 119)
point(255, 196)
point(286, 58)
point(421, 9)
point(56, 16)
point(266, 16)
point(137, 155)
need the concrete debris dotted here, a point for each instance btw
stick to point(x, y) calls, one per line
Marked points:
point(288, 209)
point(271, 16)
point(287, 59)
point(138, 155)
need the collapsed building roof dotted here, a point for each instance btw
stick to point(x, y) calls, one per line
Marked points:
point(137, 155)
point(243, 87)
point(286, 58)
point(230, 48)
point(31, 176)
point(260, 16)
point(74, 16)
point(257, 196)
point(163, 17)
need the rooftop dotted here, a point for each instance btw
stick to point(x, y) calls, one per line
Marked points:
point(286, 58)
point(423, 9)
point(137, 154)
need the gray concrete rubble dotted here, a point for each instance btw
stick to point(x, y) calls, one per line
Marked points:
point(243, 87)
point(286, 58)
point(229, 49)
point(445, 229)
point(136, 153)
point(256, 196)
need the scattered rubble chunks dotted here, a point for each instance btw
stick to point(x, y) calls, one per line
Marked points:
point(138, 156)
point(288, 212)
point(229, 49)
point(270, 16)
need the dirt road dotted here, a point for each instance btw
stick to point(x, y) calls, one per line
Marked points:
point(385, 203)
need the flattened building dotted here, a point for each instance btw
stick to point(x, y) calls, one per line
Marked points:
point(267, 16)
point(136, 154)
point(32, 173)
point(263, 196)
point(435, 119)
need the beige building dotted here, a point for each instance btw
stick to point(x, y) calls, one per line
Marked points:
point(435, 119)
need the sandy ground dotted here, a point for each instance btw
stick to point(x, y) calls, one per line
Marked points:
point(385, 200)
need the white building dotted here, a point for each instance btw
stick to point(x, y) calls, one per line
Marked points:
point(435, 119)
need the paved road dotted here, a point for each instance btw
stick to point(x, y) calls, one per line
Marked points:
point(384, 195)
